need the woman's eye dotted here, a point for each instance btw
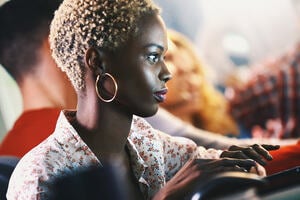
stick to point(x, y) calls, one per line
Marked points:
point(153, 58)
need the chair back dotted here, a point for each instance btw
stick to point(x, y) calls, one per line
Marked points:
point(7, 166)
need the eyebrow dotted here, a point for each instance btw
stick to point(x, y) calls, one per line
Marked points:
point(156, 45)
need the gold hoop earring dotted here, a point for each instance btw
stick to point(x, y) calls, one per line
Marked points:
point(115, 84)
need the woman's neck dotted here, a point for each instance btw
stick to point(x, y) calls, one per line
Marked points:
point(103, 128)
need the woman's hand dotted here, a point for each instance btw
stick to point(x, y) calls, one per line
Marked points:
point(197, 170)
point(242, 159)
point(259, 153)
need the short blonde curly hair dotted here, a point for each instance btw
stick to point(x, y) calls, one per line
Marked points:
point(79, 24)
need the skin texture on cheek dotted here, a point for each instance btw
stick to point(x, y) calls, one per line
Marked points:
point(136, 92)
point(140, 68)
point(151, 79)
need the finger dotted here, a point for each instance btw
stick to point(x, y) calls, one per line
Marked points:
point(228, 162)
point(262, 151)
point(234, 148)
point(234, 154)
point(186, 176)
point(252, 154)
point(235, 168)
point(187, 168)
point(270, 147)
point(204, 164)
point(259, 170)
point(180, 187)
point(203, 161)
point(220, 169)
point(248, 153)
point(245, 163)
point(241, 155)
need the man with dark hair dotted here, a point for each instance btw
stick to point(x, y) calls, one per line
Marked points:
point(25, 54)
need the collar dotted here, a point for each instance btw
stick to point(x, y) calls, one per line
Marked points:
point(66, 134)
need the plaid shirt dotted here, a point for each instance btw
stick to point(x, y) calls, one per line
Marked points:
point(271, 95)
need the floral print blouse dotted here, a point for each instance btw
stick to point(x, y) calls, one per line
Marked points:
point(155, 158)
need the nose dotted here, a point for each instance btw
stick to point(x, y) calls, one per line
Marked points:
point(165, 74)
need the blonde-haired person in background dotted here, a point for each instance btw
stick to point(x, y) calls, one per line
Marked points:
point(191, 96)
point(113, 53)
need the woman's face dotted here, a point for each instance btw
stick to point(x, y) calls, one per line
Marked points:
point(184, 88)
point(140, 69)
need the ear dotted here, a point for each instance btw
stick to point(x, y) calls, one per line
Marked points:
point(95, 60)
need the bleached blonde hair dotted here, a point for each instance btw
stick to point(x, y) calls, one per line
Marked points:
point(79, 24)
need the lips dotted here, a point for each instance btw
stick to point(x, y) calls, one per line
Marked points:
point(160, 95)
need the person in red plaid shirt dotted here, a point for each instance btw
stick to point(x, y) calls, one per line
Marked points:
point(269, 103)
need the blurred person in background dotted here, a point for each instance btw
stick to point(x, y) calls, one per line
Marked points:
point(269, 105)
point(191, 96)
point(25, 54)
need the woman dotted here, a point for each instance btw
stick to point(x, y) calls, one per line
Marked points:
point(113, 53)
point(191, 97)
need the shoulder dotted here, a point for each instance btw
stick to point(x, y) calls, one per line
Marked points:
point(33, 171)
point(142, 129)
point(165, 147)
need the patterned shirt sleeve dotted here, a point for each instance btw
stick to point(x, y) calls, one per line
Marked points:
point(178, 150)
